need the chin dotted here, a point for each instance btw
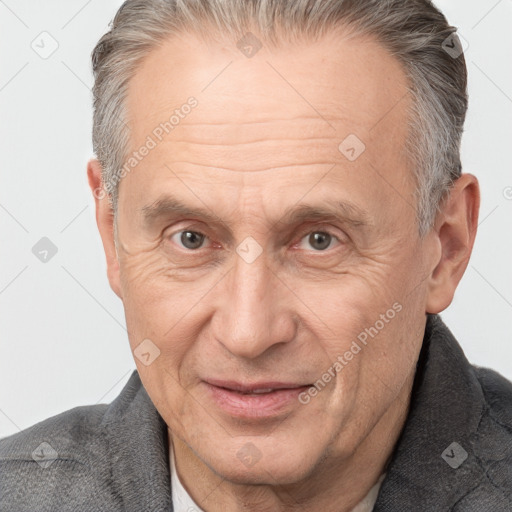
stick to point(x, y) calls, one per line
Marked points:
point(267, 471)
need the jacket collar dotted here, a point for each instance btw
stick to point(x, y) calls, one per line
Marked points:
point(138, 448)
point(446, 407)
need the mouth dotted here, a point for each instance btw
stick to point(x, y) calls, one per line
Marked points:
point(257, 400)
point(255, 387)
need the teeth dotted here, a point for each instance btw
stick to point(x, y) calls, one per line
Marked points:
point(259, 391)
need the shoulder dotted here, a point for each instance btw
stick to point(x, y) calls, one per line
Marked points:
point(497, 392)
point(496, 423)
point(70, 429)
point(60, 456)
point(492, 445)
point(87, 458)
point(90, 458)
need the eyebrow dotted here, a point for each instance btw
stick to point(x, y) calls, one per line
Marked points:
point(170, 207)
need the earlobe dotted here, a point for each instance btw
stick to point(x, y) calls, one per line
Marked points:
point(454, 232)
point(105, 222)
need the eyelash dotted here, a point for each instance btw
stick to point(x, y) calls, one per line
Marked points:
point(319, 229)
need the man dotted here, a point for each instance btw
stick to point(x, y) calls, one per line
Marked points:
point(279, 195)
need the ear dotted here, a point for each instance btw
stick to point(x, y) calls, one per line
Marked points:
point(105, 222)
point(454, 230)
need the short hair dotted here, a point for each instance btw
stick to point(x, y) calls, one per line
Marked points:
point(415, 32)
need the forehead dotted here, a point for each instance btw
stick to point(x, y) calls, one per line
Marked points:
point(285, 109)
point(305, 87)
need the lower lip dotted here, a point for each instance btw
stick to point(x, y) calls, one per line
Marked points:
point(254, 405)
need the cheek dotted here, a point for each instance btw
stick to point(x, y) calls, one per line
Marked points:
point(146, 294)
point(162, 306)
point(350, 302)
point(156, 310)
point(365, 317)
point(351, 317)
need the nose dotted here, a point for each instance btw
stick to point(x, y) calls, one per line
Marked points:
point(254, 309)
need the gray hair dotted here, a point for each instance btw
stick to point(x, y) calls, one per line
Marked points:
point(415, 32)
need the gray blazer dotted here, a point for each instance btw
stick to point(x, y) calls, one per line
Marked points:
point(454, 453)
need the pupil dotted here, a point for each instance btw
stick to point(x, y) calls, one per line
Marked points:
point(191, 240)
point(322, 240)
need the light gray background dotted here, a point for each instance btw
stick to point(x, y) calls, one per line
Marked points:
point(63, 341)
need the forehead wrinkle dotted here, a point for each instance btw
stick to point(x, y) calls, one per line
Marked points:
point(253, 141)
point(252, 169)
point(199, 129)
point(263, 152)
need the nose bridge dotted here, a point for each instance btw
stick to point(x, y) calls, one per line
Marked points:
point(252, 319)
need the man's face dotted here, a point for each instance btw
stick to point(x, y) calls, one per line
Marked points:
point(254, 294)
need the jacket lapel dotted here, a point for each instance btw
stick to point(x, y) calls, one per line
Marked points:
point(138, 448)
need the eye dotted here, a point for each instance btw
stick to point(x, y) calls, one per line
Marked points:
point(319, 240)
point(189, 239)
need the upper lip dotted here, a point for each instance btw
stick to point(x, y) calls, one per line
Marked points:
point(247, 388)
